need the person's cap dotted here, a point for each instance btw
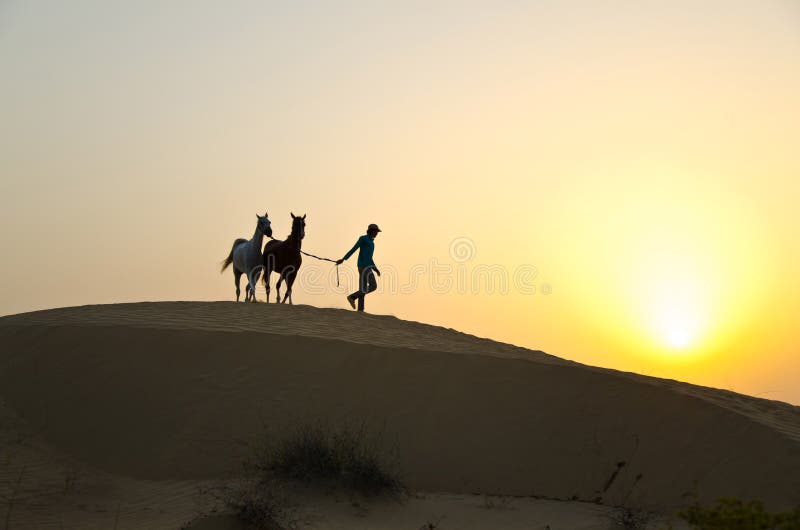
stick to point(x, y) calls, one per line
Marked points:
point(374, 227)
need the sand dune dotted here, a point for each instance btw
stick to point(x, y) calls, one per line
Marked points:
point(153, 397)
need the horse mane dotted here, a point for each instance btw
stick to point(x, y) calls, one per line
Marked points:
point(297, 224)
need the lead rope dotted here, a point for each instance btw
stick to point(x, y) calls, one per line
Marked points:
point(310, 255)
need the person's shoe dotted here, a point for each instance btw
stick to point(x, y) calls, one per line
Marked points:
point(351, 300)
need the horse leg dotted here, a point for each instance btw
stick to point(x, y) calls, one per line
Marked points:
point(247, 294)
point(253, 278)
point(278, 288)
point(268, 273)
point(256, 277)
point(289, 282)
point(237, 276)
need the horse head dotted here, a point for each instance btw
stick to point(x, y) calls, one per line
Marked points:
point(298, 226)
point(264, 225)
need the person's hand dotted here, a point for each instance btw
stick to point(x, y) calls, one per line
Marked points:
point(339, 261)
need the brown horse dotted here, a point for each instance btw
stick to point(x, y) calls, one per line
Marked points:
point(284, 258)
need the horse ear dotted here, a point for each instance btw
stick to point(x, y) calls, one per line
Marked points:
point(290, 213)
point(304, 216)
point(265, 214)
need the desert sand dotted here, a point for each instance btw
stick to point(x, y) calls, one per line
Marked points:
point(115, 416)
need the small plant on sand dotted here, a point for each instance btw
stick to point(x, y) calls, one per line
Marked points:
point(497, 502)
point(344, 456)
point(735, 514)
point(628, 518)
point(626, 515)
point(258, 501)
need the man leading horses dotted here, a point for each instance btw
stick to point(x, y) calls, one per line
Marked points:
point(366, 266)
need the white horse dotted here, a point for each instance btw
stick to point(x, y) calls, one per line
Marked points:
point(247, 258)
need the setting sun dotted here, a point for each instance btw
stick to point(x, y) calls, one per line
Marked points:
point(677, 308)
point(678, 326)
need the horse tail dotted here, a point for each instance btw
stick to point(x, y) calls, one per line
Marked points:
point(227, 261)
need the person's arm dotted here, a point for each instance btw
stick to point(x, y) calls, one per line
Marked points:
point(350, 253)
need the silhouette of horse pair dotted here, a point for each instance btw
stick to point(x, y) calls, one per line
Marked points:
point(282, 257)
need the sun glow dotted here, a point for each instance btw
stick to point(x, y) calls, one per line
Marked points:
point(676, 275)
point(678, 321)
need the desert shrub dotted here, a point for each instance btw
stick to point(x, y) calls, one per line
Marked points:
point(258, 501)
point(628, 518)
point(343, 456)
point(346, 456)
point(497, 502)
point(735, 514)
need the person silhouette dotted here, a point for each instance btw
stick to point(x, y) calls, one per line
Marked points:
point(366, 279)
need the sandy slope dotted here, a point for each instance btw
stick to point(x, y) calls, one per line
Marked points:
point(147, 399)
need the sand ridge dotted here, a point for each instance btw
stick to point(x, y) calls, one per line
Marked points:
point(334, 324)
point(379, 330)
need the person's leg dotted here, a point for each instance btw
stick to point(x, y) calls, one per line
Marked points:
point(358, 295)
point(351, 299)
point(368, 284)
point(362, 287)
point(372, 282)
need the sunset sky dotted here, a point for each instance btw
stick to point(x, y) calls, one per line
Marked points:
point(630, 170)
